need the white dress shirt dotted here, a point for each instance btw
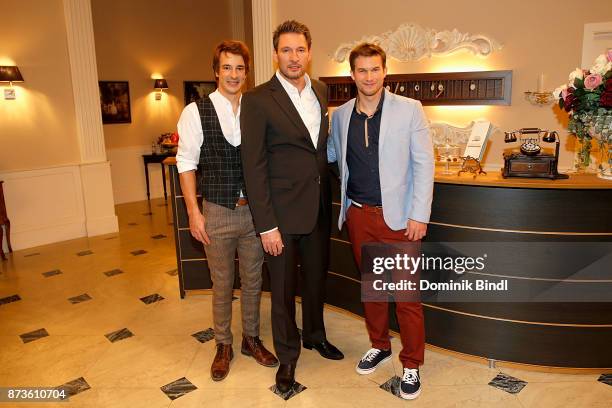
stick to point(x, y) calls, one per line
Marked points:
point(306, 104)
point(191, 134)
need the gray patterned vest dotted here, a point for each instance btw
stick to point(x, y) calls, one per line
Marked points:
point(220, 171)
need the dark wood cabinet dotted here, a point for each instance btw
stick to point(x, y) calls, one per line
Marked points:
point(4, 222)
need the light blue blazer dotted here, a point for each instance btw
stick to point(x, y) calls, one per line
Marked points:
point(406, 161)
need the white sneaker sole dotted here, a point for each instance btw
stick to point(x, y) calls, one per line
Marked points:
point(371, 370)
point(410, 396)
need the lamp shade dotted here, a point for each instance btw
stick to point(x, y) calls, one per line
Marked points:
point(160, 84)
point(10, 74)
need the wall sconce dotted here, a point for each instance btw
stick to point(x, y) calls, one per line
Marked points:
point(160, 85)
point(541, 97)
point(10, 74)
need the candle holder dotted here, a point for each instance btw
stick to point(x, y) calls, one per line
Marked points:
point(540, 98)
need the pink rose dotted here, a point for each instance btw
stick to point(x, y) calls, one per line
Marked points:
point(609, 55)
point(592, 81)
point(564, 93)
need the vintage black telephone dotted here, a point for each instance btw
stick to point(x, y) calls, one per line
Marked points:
point(531, 162)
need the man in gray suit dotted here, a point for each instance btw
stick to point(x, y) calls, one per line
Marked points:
point(385, 156)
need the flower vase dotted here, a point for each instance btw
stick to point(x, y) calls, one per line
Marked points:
point(582, 156)
point(604, 165)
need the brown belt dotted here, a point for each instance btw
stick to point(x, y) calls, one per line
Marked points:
point(242, 201)
point(368, 208)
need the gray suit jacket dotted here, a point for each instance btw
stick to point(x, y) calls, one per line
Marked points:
point(406, 161)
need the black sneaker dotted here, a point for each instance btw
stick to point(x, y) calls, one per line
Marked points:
point(410, 386)
point(370, 360)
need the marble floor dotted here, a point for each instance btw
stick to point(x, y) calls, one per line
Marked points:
point(102, 317)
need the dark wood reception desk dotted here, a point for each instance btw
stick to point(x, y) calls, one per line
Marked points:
point(486, 209)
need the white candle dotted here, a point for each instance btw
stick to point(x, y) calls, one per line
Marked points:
point(541, 83)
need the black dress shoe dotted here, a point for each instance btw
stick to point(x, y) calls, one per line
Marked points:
point(285, 377)
point(326, 349)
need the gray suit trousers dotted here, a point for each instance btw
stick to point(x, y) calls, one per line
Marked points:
point(231, 230)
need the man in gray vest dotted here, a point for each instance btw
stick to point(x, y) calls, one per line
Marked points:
point(210, 137)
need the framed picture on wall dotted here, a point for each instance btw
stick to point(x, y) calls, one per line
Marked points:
point(115, 102)
point(196, 90)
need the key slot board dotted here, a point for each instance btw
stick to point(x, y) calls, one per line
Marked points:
point(450, 88)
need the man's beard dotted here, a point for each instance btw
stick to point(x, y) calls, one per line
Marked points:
point(292, 75)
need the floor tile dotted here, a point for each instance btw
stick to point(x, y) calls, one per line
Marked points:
point(204, 335)
point(295, 390)
point(178, 388)
point(33, 335)
point(9, 299)
point(507, 383)
point(50, 361)
point(74, 387)
point(119, 397)
point(125, 365)
point(113, 272)
point(567, 394)
point(119, 335)
point(152, 298)
point(605, 378)
point(51, 273)
point(80, 298)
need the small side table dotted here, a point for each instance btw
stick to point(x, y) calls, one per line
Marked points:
point(156, 158)
point(4, 221)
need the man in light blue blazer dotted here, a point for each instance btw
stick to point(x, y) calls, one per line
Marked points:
point(384, 151)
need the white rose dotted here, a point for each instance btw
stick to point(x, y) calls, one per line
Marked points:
point(577, 73)
point(601, 65)
point(601, 60)
point(557, 92)
point(599, 69)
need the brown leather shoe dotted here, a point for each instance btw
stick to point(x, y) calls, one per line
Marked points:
point(252, 346)
point(220, 366)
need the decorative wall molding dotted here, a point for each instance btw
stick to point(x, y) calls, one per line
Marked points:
point(50, 205)
point(411, 42)
point(44, 205)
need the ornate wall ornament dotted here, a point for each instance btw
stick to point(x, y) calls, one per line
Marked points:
point(442, 133)
point(411, 42)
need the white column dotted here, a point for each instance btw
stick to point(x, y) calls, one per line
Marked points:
point(96, 182)
point(263, 27)
point(82, 52)
point(237, 10)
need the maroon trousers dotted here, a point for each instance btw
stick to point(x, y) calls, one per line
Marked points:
point(366, 224)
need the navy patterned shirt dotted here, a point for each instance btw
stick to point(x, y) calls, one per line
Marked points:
point(362, 156)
